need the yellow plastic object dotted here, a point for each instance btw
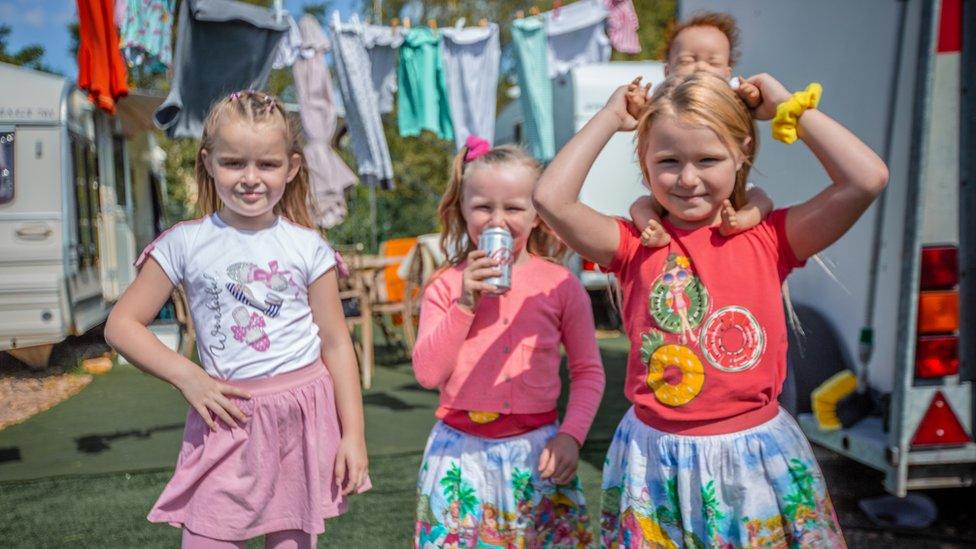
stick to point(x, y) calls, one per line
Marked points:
point(97, 366)
point(824, 399)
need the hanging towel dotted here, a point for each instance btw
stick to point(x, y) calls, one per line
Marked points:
point(532, 67)
point(101, 70)
point(145, 29)
point(362, 113)
point(289, 47)
point(382, 43)
point(328, 174)
point(222, 46)
point(576, 36)
point(622, 25)
point(471, 58)
point(422, 92)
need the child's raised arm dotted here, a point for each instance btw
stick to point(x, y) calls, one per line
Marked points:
point(593, 235)
point(857, 174)
point(126, 331)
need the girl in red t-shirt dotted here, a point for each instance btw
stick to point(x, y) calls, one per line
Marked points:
point(705, 456)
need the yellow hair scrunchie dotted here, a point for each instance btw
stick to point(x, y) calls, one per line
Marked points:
point(788, 112)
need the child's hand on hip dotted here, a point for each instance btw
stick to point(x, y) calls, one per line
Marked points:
point(209, 398)
point(771, 92)
point(618, 106)
point(480, 267)
point(352, 464)
point(559, 459)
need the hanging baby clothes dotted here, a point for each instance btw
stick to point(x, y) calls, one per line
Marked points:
point(532, 67)
point(471, 58)
point(362, 112)
point(222, 46)
point(289, 47)
point(328, 174)
point(422, 90)
point(145, 32)
point(622, 25)
point(382, 43)
point(101, 70)
point(576, 36)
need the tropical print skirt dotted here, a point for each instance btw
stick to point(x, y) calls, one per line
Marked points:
point(476, 492)
point(755, 488)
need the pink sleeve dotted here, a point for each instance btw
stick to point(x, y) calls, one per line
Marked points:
point(443, 329)
point(586, 377)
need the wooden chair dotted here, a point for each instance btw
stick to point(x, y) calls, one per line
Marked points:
point(354, 293)
point(390, 299)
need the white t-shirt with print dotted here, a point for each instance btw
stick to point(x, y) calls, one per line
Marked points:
point(247, 292)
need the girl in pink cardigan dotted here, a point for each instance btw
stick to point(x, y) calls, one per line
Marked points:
point(499, 468)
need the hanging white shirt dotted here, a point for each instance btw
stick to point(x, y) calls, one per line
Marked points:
point(577, 36)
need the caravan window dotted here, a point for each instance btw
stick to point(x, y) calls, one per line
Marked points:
point(84, 165)
point(118, 164)
point(6, 166)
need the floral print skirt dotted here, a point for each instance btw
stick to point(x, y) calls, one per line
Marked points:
point(755, 488)
point(476, 492)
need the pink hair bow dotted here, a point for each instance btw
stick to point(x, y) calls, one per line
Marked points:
point(476, 147)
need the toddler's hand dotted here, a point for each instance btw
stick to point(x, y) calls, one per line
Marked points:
point(771, 92)
point(205, 394)
point(620, 108)
point(730, 223)
point(351, 464)
point(559, 459)
point(637, 97)
point(480, 267)
point(749, 93)
point(654, 235)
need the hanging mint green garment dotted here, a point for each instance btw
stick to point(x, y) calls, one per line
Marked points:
point(422, 93)
point(531, 50)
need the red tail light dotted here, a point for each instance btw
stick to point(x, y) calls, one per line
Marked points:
point(939, 426)
point(937, 356)
point(940, 267)
point(590, 266)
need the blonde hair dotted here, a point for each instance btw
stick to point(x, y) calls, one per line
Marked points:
point(454, 229)
point(703, 99)
point(255, 108)
point(722, 22)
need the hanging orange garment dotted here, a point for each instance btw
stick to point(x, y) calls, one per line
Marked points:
point(101, 69)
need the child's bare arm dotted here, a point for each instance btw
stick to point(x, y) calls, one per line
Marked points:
point(758, 205)
point(126, 331)
point(857, 175)
point(645, 212)
point(340, 359)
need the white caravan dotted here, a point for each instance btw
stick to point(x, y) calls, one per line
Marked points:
point(891, 73)
point(78, 192)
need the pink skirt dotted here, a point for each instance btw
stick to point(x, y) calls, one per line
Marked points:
point(272, 473)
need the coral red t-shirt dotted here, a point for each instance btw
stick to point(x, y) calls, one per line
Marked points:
point(706, 324)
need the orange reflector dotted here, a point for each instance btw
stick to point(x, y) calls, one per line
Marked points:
point(937, 356)
point(939, 426)
point(938, 312)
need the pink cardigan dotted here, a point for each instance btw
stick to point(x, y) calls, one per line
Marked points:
point(505, 357)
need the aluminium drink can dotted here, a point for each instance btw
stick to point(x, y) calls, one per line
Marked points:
point(499, 245)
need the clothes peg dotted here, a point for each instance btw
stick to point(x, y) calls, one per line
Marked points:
point(336, 22)
point(406, 23)
point(459, 24)
point(519, 14)
point(483, 23)
point(432, 23)
point(394, 23)
point(534, 10)
point(556, 6)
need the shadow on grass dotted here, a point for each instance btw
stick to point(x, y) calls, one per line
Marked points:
point(99, 442)
point(386, 400)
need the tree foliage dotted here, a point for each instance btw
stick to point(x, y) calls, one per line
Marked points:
point(30, 56)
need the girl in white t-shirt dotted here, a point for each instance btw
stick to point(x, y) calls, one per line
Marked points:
point(274, 436)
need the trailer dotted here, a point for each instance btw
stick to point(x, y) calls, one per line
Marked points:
point(80, 192)
point(890, 301)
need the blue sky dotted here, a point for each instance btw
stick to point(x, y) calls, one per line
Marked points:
point(45, 22)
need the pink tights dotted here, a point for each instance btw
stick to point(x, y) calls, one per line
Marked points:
point(285, 539)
